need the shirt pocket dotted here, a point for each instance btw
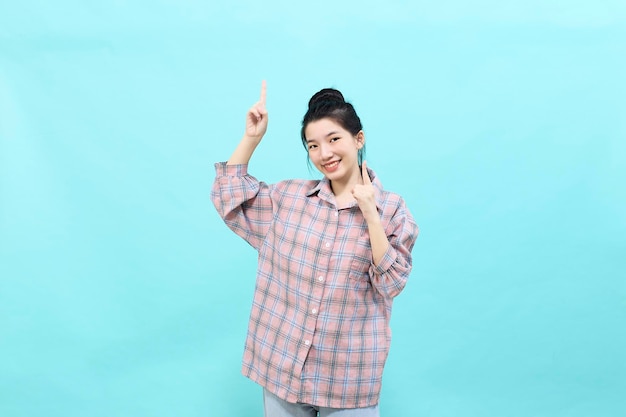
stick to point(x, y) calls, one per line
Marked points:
point(361, 259)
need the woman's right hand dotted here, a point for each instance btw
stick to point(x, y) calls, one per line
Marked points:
point(256, 119)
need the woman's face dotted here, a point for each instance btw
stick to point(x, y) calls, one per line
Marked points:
point(333, 150)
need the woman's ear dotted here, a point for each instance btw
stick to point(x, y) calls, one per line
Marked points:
point(360, 139)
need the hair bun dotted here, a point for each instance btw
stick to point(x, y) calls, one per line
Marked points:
point(327, 95)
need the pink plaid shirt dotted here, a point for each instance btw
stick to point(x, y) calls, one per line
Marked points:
point(319, 326)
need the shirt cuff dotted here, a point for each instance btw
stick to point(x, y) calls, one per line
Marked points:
point(223, 170)
point(385, 264)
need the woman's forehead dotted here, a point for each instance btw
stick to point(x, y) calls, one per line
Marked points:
point(322, 128)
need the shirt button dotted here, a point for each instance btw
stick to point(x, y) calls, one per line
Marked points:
point(307, 342)
point(314, 311)
point(336, 213)
point(320, 278)
point(327, 245)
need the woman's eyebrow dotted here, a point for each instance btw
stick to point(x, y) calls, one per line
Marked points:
point(327, 135)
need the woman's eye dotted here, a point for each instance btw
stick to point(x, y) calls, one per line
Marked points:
point(312, 146)
point(334, 139)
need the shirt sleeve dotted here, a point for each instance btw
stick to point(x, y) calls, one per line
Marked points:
point(243, 202)
point(391, 274)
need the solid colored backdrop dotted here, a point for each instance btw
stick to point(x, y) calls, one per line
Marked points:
point(503, 124)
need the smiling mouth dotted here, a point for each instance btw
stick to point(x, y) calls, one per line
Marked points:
point(331, 166)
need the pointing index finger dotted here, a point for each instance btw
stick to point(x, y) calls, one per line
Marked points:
point(263, 92)
point(366, 176)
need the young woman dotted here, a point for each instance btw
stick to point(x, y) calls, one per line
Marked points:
point(333, 254)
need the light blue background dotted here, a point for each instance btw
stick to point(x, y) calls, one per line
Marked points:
point(502, 123)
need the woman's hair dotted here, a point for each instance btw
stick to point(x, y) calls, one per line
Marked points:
point(330, 104)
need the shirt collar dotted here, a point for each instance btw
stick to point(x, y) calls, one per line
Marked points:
point(322, 189)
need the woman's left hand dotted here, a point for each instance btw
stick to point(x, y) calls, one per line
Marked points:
point(364, 195)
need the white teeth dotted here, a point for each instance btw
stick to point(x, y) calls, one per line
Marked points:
point(332, 164)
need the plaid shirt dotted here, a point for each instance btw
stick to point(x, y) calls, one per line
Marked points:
point(319, 326)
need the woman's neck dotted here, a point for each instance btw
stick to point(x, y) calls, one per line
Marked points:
point(343, 189)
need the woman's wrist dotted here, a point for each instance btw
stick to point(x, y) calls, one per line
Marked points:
point(251, 138)
point(372, 218)
point(244, 151)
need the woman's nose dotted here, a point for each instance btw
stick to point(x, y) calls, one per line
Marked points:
point(326, 151)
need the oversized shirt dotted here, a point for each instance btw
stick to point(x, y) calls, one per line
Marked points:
point(319, 325)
